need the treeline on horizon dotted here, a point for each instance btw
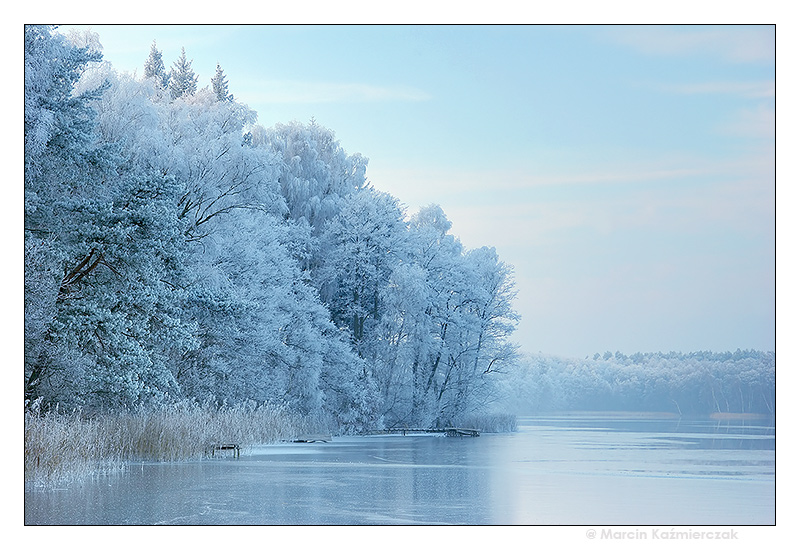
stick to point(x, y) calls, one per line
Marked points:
point(176, 250)
point(698, 383)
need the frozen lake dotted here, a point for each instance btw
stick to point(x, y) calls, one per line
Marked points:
point(579, 470)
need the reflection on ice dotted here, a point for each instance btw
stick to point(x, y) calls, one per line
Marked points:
point(552, 471)
point(285, 449)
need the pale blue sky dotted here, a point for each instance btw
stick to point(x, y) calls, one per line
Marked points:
point(627, 173)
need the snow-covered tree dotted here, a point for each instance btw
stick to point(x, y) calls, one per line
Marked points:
point(442, 334)
point(60, 162)
point(218, 172)
point(182, 79)
point(174, 249)
point(316, 172)
point(154, 67)
point(362, 244)
point(100, 244)
point(119, 305)
point(219, 85)
point(486, 322)
point(86, 39)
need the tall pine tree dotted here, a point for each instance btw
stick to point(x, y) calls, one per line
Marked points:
point(154, 67)
point(220, 85)
point(182, 79)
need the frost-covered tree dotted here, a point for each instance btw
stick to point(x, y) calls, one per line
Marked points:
point(487, 322)
point(130, 115)
point(174, 249)
point(439, 254)
point(316, 172)
point(99, 245)
point(442, 335)
point(60, 160)
point(219, 85)
point(86, 39)
point(218, 172)
point(264, 333)
point(58, 124)
point(119, 306)
point(182, 79)
point(154, 67)
point(362, 244)
point(404, 342)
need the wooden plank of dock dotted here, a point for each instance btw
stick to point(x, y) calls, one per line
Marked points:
point(312, 438)
point(462, 432)
point(452, 432)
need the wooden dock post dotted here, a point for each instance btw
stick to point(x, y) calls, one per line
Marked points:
point(226, 447)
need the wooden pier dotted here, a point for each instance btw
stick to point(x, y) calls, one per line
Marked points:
point(461, 432)
point(312, 438)
point(450, 432)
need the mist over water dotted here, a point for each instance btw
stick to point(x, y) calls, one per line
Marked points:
point(576, 469)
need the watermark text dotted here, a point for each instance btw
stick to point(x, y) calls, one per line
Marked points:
point(660, 533)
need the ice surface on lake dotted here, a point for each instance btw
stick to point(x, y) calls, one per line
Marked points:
point(557, 470)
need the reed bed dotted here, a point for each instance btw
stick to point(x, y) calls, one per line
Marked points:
point(67, 447)
point(491, 423)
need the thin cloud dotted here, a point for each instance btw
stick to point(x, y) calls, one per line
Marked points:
point(514, 196)
point(733, 43)
point(752, 123)
point(330, 92)
point(460, 183)
point(731, 207)
point(751, 90)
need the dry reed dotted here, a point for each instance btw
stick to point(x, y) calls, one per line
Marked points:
point(491, 422)
point(67, 447)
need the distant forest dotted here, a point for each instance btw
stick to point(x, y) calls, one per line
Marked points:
point(699, 383)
